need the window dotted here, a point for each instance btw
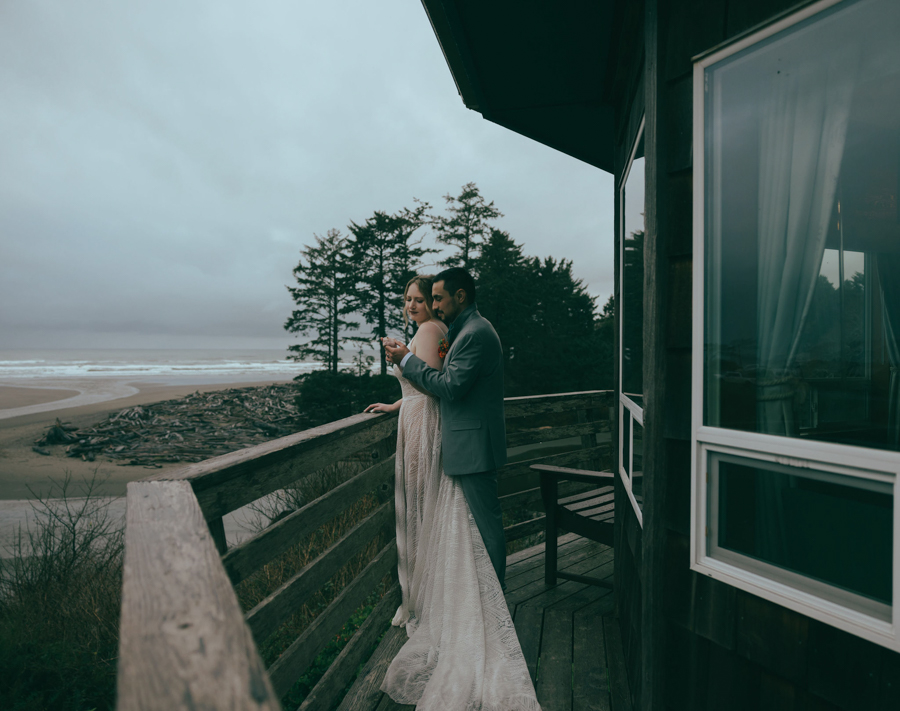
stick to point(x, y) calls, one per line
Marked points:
point(631, 326)
point(796, 402)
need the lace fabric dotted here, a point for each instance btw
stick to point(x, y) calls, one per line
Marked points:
point(415, 481)
point(463, 652)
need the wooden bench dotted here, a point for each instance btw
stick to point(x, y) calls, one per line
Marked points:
point(588, 514)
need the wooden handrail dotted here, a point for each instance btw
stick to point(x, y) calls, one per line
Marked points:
point(224, 484)
point(183, 642)
point(560, 402)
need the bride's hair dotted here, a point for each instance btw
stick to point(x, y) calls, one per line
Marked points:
point(423, 282)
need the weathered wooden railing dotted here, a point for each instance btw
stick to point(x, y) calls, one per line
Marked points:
point(185, 643)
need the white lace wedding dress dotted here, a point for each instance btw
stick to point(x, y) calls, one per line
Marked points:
point(462, 653)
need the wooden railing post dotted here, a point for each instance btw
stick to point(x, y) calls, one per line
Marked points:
point(217, 531)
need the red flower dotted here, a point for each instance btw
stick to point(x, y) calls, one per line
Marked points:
point(443, 347)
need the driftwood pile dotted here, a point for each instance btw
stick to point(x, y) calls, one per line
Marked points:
point(188, 429)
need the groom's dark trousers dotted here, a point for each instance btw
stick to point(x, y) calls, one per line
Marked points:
point(473, 425)
point(481, 494)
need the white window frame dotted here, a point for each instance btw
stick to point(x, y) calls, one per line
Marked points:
point(627, 407)
point(866, 465)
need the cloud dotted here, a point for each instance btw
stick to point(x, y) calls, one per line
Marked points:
point(164, 163)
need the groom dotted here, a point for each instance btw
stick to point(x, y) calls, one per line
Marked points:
point(470, 387)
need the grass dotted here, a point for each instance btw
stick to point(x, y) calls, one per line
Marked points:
point(60, 594)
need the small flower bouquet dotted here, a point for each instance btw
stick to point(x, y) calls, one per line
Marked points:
point(443, 347)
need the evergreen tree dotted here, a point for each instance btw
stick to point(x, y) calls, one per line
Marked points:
point(325, 295)
point(560, 351)
point(504, 294)
point(465, 226)
point(632, 315)
point(385, 255)
point(604, 344)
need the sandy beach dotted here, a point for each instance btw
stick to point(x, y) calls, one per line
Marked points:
point(13, 398)
point(24, 472)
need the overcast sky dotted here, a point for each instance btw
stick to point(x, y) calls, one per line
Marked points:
point(162, 163)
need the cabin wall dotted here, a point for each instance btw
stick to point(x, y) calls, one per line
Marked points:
point(706, 645)
point(627, 97)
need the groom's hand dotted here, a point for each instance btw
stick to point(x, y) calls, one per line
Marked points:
point(395, 350)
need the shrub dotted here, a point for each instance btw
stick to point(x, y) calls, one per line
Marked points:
point(326, 397)
point(60, 595)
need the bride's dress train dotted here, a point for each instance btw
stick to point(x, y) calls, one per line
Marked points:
point(463, 652)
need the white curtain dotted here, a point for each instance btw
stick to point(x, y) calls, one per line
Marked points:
point(803, 128)
point(802, 134)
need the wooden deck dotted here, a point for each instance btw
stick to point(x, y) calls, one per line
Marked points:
point(568, 634)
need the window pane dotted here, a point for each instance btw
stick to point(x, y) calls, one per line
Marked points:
point(802, 231)
point(632, 287)
point(833, 529)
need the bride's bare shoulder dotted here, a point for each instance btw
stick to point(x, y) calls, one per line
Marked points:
point(432, 328)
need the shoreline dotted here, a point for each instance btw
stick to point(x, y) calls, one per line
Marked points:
point(24, 473)
point(15, 397)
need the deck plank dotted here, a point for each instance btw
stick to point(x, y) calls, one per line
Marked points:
point(554, 685)
point(569, 636)
point(615, 656)
point(580, 598)
point(565, 560)
point(587, 594)
point(537, 589)
point(388, 704)
point(528, 623)
point(365, 693)
point(590, 691)
point(568, 542)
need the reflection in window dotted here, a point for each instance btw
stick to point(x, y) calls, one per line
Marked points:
point(631, 325)
point(637, 463)
point(832, 529)
point(632, 275)
point(803, 232)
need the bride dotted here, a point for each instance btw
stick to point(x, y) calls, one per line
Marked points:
point(462, 651)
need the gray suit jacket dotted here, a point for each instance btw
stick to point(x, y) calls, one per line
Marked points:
point(470, 387)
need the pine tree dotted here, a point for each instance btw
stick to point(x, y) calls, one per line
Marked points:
point(503, 289)
point(325, 295)
point(385, 255)
point(560, 334)
point(465, 226)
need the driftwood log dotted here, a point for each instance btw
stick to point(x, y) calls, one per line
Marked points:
point(188, 429)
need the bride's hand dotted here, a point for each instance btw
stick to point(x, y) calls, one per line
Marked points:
point(380, 407)
point(392, 342)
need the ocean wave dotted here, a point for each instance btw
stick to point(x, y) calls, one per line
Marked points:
point(123, 370)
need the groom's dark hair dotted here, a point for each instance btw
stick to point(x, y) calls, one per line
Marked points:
point(456, 278)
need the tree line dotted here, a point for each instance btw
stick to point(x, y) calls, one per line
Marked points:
point(553, 336)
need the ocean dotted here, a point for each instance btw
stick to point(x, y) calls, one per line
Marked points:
point(151, 366)
point(96, 376)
